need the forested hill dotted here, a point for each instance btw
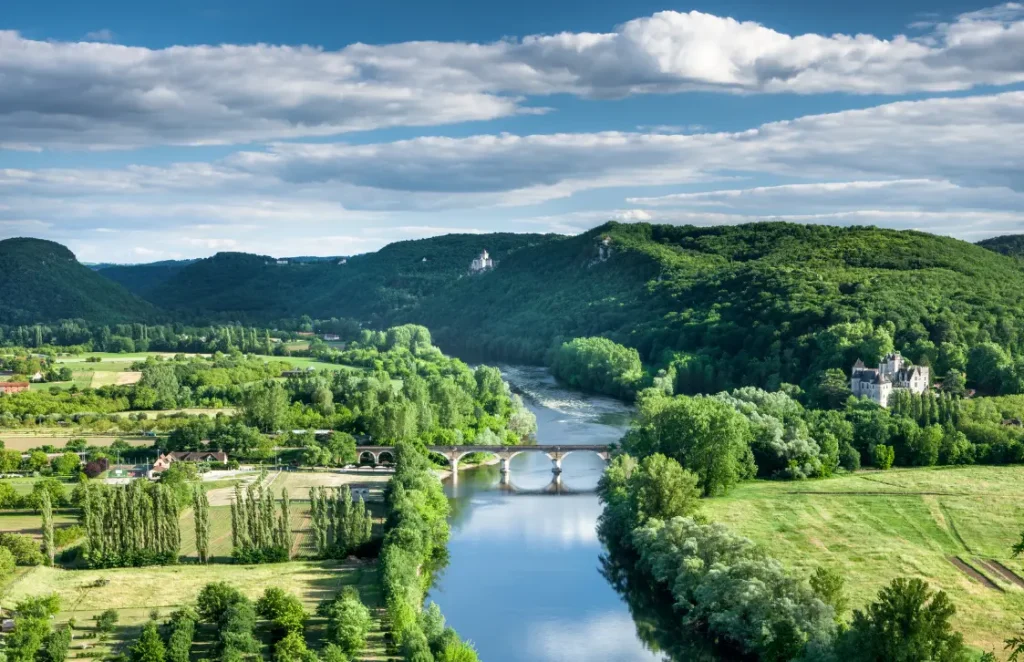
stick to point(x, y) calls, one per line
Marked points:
point(141, 279)
point(41, 281)
point(373, 286)
point(750, 304)
point(1010, 244)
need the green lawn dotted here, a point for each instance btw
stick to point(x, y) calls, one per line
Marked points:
point(874, 526)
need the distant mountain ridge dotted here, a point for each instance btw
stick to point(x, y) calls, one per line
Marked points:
point(42, 281)
point(375, 285)
point(1010, 244)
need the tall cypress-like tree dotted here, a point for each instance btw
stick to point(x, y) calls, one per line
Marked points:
point(47, 513)
point(201, 515)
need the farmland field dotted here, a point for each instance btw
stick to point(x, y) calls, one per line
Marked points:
point(875, 526)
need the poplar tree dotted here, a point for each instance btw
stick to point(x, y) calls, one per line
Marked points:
point(201, 516)
point(47, 512)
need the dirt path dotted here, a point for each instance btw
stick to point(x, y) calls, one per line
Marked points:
point(974, 574)
point(1000, 569)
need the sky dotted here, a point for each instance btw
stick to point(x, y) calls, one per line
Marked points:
point(134, 132)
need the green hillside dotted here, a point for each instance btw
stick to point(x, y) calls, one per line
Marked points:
point(751, 304)
point(367, 287)
point(719, 307)
point(1010, 244)
point(41, 281)
point(141, 279)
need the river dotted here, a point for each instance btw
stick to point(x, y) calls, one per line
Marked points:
point(523, 580)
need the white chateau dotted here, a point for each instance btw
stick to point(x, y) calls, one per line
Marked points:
point(483, 262)
point(893, 372)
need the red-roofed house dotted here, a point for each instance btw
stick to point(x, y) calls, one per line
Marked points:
point(167, 459)
point(13, 387)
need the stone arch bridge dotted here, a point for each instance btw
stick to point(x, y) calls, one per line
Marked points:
point(386, 454)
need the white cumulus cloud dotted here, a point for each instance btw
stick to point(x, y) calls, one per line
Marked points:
point(103, 95)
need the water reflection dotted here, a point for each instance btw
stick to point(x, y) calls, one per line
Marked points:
point(524, 580)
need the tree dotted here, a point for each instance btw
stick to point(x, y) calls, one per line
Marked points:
point(460, 651)
point(883, 456)
point(183, 627)
point(24, 549)
point(214, 599)
point(201, 516)
point(832, 389)
point(705, 435)
point(348, 621)
point(283, 610)
point(149, 647)
point(333, 653)
point(662, 489)
point(7, 564)
point(955, 383)
point(37, 461)
point(292, 648)
point(56, 645)
point(47, 515)
point(907, 623)
point(107, 621)
point(827, 584)
point(265, 406)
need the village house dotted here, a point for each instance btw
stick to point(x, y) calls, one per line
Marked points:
point(894, 372)
point(167, 459)
point(481, 263)
point(331, 337)
point(13, 387)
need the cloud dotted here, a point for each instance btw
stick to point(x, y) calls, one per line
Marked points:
point(903, 194)
point(950, 165)
point(611, 633)
point(100, 95)
point(974, 140)
point(100, 35)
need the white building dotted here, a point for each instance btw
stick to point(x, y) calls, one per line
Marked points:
point(893, 372)
point(482, 263)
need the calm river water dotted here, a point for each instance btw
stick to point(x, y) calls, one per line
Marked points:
point(523, 581)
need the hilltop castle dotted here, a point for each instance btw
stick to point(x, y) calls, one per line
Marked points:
point(893, 372)
point(482, 263)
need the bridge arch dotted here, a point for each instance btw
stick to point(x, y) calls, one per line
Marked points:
point(368, 457)
point(385, 457)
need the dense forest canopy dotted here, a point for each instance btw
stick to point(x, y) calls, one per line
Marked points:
point(41, 281)
point(141, 279)
point(371, 286)
point(1007, 244)
point(717, 307)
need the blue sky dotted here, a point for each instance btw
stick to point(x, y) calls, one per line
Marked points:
point(326, 127)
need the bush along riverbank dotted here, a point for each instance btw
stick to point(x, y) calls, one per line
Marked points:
point(414, 548)
point(706, 593)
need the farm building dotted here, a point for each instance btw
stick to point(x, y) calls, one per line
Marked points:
point(167, 459)
point(13, 387)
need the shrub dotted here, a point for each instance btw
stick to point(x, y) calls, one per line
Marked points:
point(883, 456)
point(66, 535)
point(25, 550)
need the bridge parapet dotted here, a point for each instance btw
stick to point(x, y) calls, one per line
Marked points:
point(455, 453)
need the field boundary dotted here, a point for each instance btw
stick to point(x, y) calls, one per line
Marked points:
point(999, 569)
point(975, 574)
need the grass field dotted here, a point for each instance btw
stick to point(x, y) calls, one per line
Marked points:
point(30, 524)
point(135, 592)
point(875, 526)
